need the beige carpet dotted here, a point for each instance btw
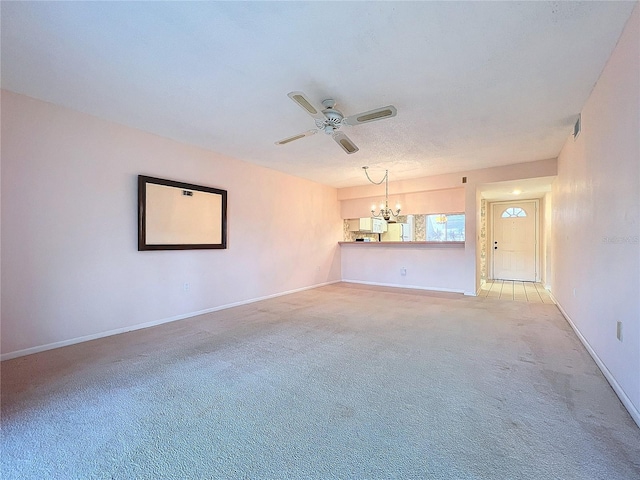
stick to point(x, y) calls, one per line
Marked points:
point(344, 381)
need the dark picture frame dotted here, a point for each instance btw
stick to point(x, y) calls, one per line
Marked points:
point(175, 215)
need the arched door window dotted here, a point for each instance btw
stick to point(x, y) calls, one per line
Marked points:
point(514, 212)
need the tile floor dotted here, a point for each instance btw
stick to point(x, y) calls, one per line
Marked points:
point(512, 290)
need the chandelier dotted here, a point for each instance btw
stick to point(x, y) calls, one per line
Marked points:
point(385, 212)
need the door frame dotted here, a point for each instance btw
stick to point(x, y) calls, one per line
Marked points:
point(537, 266)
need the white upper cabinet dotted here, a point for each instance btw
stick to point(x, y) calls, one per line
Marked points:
point(367, 225)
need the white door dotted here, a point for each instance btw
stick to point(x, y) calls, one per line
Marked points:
point(514, 241)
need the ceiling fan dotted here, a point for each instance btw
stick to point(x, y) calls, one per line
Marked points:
point(329, 120)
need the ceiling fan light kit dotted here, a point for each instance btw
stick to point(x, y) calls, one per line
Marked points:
point(329, 120)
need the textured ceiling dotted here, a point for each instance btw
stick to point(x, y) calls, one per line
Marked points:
point(476, 84)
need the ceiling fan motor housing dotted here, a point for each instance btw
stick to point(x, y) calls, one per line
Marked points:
point(333, 119)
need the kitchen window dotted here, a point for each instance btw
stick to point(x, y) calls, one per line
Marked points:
point(445, 227)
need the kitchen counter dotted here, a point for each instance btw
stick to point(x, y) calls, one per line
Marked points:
point(415, 244)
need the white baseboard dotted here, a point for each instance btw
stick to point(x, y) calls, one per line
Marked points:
point(413, 287)
point(626, 401)
point(95, 336)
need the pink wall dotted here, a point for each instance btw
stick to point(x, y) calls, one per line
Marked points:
point(435, 201)
point(596, 205)
point(539, 168)
point(70, 265)
point(427, 267)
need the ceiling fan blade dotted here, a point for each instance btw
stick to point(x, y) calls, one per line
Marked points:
point(345, 142)
point(308, 133)
point(302, 100)
point(371, 116)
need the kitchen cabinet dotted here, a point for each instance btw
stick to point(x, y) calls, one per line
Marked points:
point(368, 225)
point(398, 232)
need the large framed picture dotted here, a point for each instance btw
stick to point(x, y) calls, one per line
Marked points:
point(180, 216)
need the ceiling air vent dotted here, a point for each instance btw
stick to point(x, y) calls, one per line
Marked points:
point(576, 128)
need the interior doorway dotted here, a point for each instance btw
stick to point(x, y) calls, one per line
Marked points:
point(514, 241)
